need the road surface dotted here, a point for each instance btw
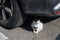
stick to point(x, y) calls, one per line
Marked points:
point(51, 31)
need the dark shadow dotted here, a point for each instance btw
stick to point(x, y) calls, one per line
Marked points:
point(27, 24)
point(58, 37)
point(47, 19)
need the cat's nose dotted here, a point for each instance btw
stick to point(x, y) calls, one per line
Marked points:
point(35, 30)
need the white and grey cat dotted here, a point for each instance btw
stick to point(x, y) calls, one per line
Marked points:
point(37, 26)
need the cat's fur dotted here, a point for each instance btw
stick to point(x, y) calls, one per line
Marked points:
point(37, 26)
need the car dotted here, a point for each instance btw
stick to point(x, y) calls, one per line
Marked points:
point(14, 13)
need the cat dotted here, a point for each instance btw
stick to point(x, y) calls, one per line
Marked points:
point(37, 26)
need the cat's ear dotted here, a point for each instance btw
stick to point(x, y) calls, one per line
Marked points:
point(38, 21)
point(33, 21)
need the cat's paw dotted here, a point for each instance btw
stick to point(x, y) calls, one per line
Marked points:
point(35, 32)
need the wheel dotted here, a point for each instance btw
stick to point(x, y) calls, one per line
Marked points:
point(11, 16)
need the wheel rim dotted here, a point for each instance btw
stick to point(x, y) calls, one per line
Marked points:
point(6, 9)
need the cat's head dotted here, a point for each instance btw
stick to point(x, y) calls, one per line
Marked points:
point(36, 21)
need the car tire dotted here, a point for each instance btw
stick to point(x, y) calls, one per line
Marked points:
point(17, 18)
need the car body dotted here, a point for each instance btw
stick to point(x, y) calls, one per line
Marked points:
point(15, 12)
point(41, 7)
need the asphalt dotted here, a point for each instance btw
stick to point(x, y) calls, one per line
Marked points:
point(51, 31)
